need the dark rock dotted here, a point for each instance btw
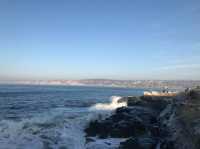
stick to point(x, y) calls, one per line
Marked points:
point(126, 122)
point(97, 128)
point(126, 129)
point(139, 143)
point(156, 103)
point(88, 139)
point(135, 112)
point(123, 99)
point(119, 129)
point(155, 131)
point(194, 94)
point(167, 144)
point(134, 101)
point(130, 144)
point(145, 122)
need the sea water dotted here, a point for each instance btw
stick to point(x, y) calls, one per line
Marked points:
point(54, 117)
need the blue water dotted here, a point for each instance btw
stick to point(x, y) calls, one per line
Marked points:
point(41, 117)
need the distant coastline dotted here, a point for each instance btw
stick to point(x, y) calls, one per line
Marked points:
point(171, 84)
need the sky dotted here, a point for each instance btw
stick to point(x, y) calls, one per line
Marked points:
point(111, 39)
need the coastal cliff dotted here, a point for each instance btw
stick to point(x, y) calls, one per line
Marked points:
point(151, 122)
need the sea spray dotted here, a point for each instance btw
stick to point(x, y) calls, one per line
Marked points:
point(100, 112)
point(38, 117)
point(53, 129)
point(60, 127)
point(114, 104)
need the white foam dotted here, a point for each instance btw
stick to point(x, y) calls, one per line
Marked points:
point(109, 143)
point(57, 128)
point(109, 106)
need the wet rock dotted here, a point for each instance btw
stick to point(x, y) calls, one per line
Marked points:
point(89, 139)
point(126, 129)
point(139, 143)
point(130, 143)
point(194, 94)
point(95, 128)
point(123, 99)
point(143, 114)
point(167, 144)
point(145, 122)
point(126, 122)
point(155, 103)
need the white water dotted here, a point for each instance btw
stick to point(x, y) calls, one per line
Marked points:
point(55, 129)
point(110, 143)
point(109, 106)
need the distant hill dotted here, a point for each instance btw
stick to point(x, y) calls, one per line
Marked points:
point(171, 84)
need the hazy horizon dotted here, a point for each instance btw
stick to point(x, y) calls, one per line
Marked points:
point(35, 80)
point(120, 40)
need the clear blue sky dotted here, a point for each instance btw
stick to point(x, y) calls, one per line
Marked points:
point(115, 39)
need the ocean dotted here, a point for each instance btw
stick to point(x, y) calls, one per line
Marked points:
point(53, 117)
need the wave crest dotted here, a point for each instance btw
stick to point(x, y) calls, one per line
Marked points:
point(114, 104)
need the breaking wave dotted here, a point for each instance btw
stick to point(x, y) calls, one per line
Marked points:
point(51, 130)
point(58, 128)
point(109, 106)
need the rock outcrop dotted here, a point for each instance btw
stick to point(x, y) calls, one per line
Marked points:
point(153, 122)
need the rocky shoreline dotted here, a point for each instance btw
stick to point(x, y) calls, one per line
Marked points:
point(152, 123)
